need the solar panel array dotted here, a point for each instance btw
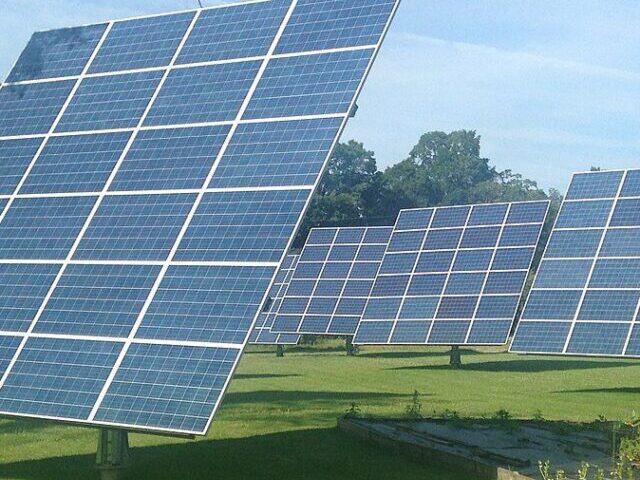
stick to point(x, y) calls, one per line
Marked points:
point(261, 333)
point(153, 172)
point(453, 275)
point(332, 281)
point(586, 294)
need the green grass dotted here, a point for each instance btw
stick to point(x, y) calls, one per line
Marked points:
point(278, 420)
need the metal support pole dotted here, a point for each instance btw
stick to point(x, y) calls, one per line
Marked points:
point(279, 350)
point(455, 357)
point(352, 350)
point(113, 453)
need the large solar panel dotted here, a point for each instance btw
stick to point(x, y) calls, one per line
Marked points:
point(453, 275)
point(153, 172)
point(332, 281)
point(586, 294)
point(262, 334)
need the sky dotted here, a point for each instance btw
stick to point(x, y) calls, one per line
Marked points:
point(552, 87)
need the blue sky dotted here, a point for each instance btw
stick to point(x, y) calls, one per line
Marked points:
point(551, 86)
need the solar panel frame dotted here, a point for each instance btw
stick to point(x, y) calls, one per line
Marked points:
point(76, 80)
point(555, 336)
point(453, 313)
point(284, 323)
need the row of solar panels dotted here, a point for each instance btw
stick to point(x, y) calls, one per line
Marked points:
point(455, 275)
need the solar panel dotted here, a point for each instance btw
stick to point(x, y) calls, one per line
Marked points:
point(453, 275)
point(262, 334)
point(332, 281)
point(586, 294)
point(153, 173)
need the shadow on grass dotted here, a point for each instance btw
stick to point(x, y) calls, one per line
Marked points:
point(258, 376)
point(631, 390)
point(17, 426)
point(309, 454)
point(289, 396)
point(427, 354)
point(530, 366)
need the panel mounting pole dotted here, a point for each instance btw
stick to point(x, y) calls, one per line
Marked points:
point(279, 350)
point(113, 453)
point(455, 357)
point(352, 350)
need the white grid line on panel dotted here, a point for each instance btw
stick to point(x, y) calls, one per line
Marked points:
point(17, 353)
point(594, 260)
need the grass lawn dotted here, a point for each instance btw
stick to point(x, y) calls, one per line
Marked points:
point(278, 420)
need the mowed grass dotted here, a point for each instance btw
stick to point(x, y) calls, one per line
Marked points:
point(278, 420)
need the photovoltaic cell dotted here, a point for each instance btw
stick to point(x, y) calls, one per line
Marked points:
point(156, 170)
point(585, 297)
point(330, 298)
point(458, 278)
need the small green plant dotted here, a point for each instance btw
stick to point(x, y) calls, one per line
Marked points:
point(583, 471)
point(502, 415)
point(353, 411)
point(414, 409)
point(451, 415)
point(537, 416)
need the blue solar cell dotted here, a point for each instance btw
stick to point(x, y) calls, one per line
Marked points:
point(291, 305)
point(573, 243)
point(473, 260)
point(528, 212)
point(168, 386)
point(609, 305)
point(97, 300)
point(309, 85)
point(322, 306)
point(457, 307)
point(343, 253)
point(373, 253)
point(33, 108)
point(584, 214)
point(315, 324)
point(480, 237)
point(406, 241)
point(427, 284)
point(621, 242)
point(626, 213)
point(351, 306)
point(594, 185)
point(420, 308)
point(598, 338)
point(450, 217)
point(22, 290)
point(135, 227)
point(364, 270)
point(634, 340)
point(8, 348)
point(113, 101)
point(448, 332)
point(336, 270)
point(344, 325)
point(335, 24)
point(358, 288)
point(498, 306)
point(141, 43)
point(390, 286)
point(414, 219)
point(75, 163)
point(465, 283)
point(398, 263)
point(315, 253)
point(308, 270)
point(58, 377)
point(276, 153)
point(286, 323)
point(552, 305)
point(243, 226)
point(350, 235)
point(433, 262)
point(301, 288)
point(43, 228)
point(15, 157)
point(489, 332)
point(505, 282)
point(563, 274)
point(382, 308)
point(206, 304)
point(616, 273)
point(373, 332)
point(210, 93)
point(631, 186)
point(167, 159)
point(541, 337)
point(234, 32)
point(442, 239)
point(321, 236)
point(488, 214)
point(57, 53)
point(377, 235)
point(520, 235)
point(411, 332)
